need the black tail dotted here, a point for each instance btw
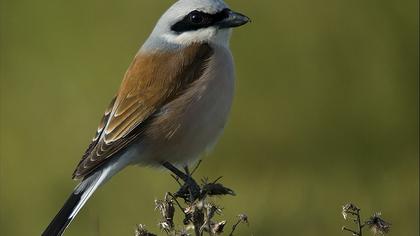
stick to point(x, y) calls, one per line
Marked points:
point(63, 218)
point(75, 202)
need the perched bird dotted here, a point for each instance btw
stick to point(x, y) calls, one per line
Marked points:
point(172, 105)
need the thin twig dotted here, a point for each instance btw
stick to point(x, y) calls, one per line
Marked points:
point(176, 201)
point(196, 167)
point(350, 230)
point(234, 227)
point(359, 224)
point(215, 181)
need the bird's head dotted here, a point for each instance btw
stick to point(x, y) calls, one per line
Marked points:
point(195, 21)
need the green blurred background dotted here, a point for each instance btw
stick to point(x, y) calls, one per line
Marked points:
point(326, 112)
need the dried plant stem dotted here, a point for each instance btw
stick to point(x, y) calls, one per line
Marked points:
point(375, 222)
point(351, 231)
point(359, 224)
point(200, 214)
point(196, 167)
point(176, 201)
point(234, 227)
point(197, 231)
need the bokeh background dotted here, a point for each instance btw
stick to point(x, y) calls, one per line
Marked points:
point(326, 112)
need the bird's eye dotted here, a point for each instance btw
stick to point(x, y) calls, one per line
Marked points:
point(196, 18)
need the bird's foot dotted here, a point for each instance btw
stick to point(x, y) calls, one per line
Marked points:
point(190, 190)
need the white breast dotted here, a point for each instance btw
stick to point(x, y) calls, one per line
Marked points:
point(200, 115)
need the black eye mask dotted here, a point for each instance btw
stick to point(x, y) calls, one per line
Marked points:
point(196, 20)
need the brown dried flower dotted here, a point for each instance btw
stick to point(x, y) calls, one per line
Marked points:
point(378, 225)
point(217, 228)
point(167, 210)
point(211, 210)
point(243, 218)
point(351, 209)
point(142, 231)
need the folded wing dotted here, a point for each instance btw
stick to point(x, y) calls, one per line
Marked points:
point(151, 81)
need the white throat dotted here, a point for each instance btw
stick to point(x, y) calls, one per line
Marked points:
point(170, 41)
point(208, 35)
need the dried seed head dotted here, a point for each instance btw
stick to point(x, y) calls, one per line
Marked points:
point(167, 210)
point(211, 210)
point(183, 232)
point(351, 209)
point(217, 228)
point(189, 210)
point(142, 231)
point(198, 218)
point(378, 225)
point(160, 206)
point(165, 226)
point(243, 218)
point(199, 204)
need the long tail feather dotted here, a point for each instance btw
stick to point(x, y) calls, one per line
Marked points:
point(74, 203)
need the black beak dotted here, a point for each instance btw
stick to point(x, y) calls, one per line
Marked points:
point(233, 19)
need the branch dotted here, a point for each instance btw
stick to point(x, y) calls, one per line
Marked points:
point(198, 211)
point(375, 223)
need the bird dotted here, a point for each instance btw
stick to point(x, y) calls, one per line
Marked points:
point(172, 104)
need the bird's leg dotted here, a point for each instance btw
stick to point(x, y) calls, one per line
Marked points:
point(190, 183)
point(187, 171)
